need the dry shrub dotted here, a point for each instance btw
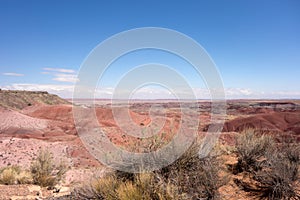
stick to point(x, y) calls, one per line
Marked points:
point(105, 188)
point(129, 191)
point(152, 186)
point(144, 186)
point(24, 177)
point(124, 176)
point(194, 176)
point(44, 171)
point(8, 176)
point(13, 175)
point(189, 177)
point(277, 176)
point(291, 150)
point(251, 149)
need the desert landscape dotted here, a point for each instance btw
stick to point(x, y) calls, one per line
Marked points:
point(149, 100)
point(35, 121)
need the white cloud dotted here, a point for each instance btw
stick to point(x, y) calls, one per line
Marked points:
point(200, 93)
point(104, 93)
point(62, 70)
point(64, 75)
point(66, 91)
point(148, 93)
point(12, 74)
point(240, 93)
point(70, 78)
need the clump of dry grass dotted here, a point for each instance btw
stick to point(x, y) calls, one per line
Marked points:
point(273, 168)
point(251, 149)
point(278, 179)
point(14, 175)
point(152, 186)
point(105, 188)
point(8, 176)
point(189, 177)
point(24, 177)
point(44, 171)
point(128, 191)
point(194, 176)
point(144, 186)
point(291, 151)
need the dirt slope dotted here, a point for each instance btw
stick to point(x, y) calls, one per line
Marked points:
point(276, 121)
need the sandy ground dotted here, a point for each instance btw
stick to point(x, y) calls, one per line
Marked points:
point(13, 119)
point(23, 133)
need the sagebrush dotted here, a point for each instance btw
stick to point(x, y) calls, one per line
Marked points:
point(44, 171)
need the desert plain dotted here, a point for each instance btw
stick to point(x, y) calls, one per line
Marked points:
point(31, 121)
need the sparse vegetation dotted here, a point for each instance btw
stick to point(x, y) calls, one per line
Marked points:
point(44, 171)
point(146, 186)
point(190, 177)
point(251, 149)
point(14, 175)
point(291, 151)
point(197, 177)
point(24, 177)
point(272, 171)
point(8, 176)
point(277, 175)
point(277, 179)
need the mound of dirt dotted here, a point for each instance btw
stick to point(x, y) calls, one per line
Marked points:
point(10, 119)
point(17, 99)
point(22, 125)
point(276, 121)
point(106, 116)
point(61, 113)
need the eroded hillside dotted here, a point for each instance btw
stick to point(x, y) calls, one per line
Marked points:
point(17, 99)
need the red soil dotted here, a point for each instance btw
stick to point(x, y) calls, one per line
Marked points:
point(54, 123)
point(275, 121)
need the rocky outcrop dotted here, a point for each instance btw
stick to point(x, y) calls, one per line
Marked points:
point(17, 99)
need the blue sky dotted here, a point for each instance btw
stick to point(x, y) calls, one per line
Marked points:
point(255, 44)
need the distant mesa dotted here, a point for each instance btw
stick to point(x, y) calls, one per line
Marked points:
point(19, 99)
